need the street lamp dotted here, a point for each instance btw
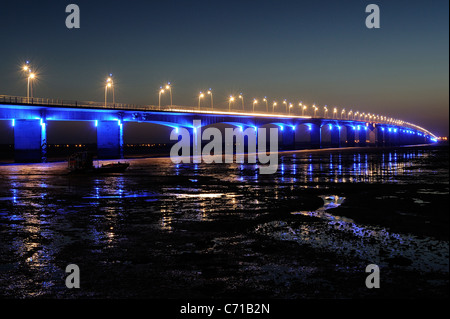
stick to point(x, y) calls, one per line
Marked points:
point(201, 95)
point(255, 101)
point(242, 98)
point(303, 109)
point(229, 102)
point(30, 77)
point(325, 111)
point(315, 109)
point(169, 87)
point(290, 106)
point(285, 102)
point(210, 93)
point(273, 106)
point(335, 113)
point(342, 112)
point(30, 85)
point(110, 85)
point(267, 105)
point(161, 91)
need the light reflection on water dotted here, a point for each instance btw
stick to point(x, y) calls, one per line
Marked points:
point(42, 210)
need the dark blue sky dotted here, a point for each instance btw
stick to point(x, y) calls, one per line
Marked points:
point(315, 51)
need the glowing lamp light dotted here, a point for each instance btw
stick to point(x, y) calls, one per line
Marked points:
point(13, 122)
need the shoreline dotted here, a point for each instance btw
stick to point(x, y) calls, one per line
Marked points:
point(282, 152)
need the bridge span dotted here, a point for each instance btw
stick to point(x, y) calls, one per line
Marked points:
point(30, 117)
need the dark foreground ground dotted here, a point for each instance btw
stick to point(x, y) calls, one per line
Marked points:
point(182, 232)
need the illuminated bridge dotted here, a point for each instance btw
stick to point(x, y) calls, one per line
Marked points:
point(30, 117)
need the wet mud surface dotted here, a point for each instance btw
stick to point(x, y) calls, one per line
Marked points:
point(164, 230)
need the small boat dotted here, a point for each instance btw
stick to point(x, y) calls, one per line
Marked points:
point(83, 162)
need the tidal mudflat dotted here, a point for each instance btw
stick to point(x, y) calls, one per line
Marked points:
point(164, 230)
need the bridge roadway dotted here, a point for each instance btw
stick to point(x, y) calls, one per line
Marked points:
point(30, 118)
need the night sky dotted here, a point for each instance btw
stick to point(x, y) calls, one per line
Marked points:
point(311, 51)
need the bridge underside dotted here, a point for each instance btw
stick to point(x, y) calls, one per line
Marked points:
point(30, 129)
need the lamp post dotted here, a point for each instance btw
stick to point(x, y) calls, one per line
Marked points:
point(161, 91)
point(231, 99)
point(335, 113)
point(30, 77)
point(109, 85)
point(242, 98)
point(255, 101)
point(200, 96)
point(169, 87)
point(210, 93)
point(342, 112)
point(290, 106)
point(30, 86)
point(267, 105)
point(315, 109)
point(325, 111)
point(303, 110)
point(273, 106)
point(285, 102)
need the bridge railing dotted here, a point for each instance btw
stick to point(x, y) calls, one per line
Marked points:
point(7, 99)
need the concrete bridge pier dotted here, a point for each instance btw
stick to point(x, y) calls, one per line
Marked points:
point(315, 136)
point(30, 141)
point(350, 136)
point(288, 138)
point(335, 134)
point(362, 135)
point(109, 139)
point(380, 133)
